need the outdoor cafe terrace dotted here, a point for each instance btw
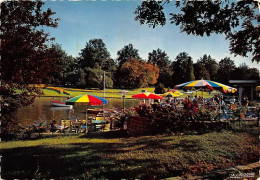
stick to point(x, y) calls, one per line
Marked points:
point(169, 114)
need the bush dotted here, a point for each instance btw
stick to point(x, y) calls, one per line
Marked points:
point(159, 89)
point(170, 119)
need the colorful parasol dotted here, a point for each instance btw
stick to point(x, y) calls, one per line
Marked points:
point(206, 84)
point(175, 91)
point(86, 100)
point(147, 95)
point(170, 94)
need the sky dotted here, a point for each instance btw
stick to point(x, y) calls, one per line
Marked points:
point(113, 22)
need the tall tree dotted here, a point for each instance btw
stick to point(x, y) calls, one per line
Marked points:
point(126, 53)
point(210, 65)
point(160, 58)
point(239, 21)
point(25, 56)
point(94, 55)
point(183, 68)
point(225, 67)
point(200, 72)
point(67, 66)
point(190, 70)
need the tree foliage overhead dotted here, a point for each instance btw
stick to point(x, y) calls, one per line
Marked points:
point(26, 56)
point(239, 21)
point(151, 13)
point(24, 51)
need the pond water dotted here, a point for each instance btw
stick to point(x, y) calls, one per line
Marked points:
point(42, 111)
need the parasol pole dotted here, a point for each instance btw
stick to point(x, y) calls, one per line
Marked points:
point(104, 94)
point(86, 118)
point(104, 85)
point(86, 113)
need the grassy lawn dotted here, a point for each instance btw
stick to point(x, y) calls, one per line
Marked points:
point(115, 155)
point(111, 92)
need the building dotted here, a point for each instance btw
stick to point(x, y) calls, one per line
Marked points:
point(245, 88)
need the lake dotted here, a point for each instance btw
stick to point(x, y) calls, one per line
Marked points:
point(42, 111)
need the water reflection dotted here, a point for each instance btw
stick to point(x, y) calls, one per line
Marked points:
point(42, 111)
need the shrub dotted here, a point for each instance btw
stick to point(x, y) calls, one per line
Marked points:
point(170, 119)
point(159, 89)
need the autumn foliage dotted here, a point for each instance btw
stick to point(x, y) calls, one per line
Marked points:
point(135, 74)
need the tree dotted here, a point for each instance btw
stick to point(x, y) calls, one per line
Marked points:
point(183, 68)
point(94, 55)
point(139, 74)
point(151, 73)
point(160, 59)
point(210, 65)
point(81, 83)
point(25, 56)
point(95, 59)
point(67, 67)
point(126, 53)
point(239, 21)
point(109, 65)
point(200, 72)
point(244, 72)
point(190, 70)
point(254, 74)
point(94, 78)
point(225, 67)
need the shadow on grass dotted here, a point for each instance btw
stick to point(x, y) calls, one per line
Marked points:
point(78, 160)
point(107, 135)
point(100, 160)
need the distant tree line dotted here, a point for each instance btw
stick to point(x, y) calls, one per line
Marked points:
point(129, 70)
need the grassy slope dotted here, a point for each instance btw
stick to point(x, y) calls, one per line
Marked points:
point(115, 155)
point(116, 93)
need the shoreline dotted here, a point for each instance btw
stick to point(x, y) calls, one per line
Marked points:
point(79, 95)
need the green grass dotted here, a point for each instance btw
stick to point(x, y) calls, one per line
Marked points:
point(115, 155)
point(115, 94)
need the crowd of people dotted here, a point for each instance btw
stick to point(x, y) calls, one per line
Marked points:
point(194, 103)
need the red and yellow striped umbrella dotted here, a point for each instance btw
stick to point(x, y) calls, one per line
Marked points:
point(147, 95)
